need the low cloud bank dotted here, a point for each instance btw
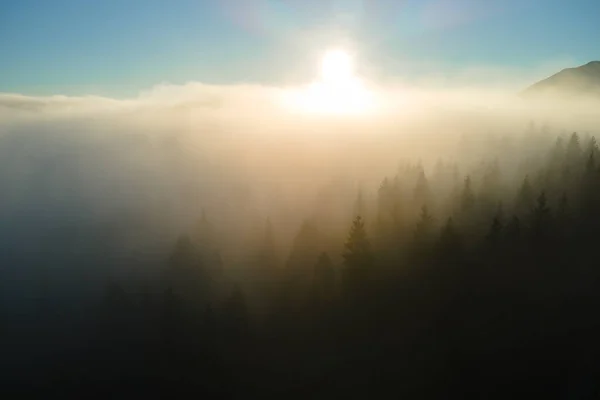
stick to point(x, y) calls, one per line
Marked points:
point(141, 170)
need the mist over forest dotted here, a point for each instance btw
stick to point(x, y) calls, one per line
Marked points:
point(208, 239)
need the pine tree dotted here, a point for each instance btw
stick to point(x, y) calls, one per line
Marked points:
point(592, 147)
point(449, 244)
point(358, 259)
point(590, 167)
point(524, 197)
point(424, 226)
point(495, 233)
point(541, 219)
point(574, 149)
point(467, 197)
point(574, 141)
point(422, 192)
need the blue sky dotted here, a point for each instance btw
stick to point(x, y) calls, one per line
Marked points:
point(119, 47)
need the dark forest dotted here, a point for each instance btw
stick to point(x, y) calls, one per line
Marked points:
point(444, 281)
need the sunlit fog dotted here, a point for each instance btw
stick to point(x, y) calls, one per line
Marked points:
point(357, 228)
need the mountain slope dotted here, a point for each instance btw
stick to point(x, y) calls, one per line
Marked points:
point(578, 81)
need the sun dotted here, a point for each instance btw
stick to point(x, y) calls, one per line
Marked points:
point(336, 67)
point(337, 90)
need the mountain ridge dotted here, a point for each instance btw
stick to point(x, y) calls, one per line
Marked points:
point(583, 80)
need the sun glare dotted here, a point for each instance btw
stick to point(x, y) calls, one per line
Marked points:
point(337, 90)
point(336, 67)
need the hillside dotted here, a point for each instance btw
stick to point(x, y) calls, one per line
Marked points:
point(583, 80)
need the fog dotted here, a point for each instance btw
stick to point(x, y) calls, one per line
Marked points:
point(139, 171)
point(95, 189)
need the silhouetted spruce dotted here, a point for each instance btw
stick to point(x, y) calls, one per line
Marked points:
point(467, 198)
point(541, 220)
point(494, 235)
point(450, 243)
point(525, 197)
point(358, 259)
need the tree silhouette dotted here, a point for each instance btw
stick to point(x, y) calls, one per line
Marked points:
point(467, 197)
point(495, 233)
point(358, 259)
point(470, 292)
point(541, 219)
point(424, 227)
point(574, 150)
point(590, 169)
point(450, 243)
point(525, 197)
point(422, 192)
